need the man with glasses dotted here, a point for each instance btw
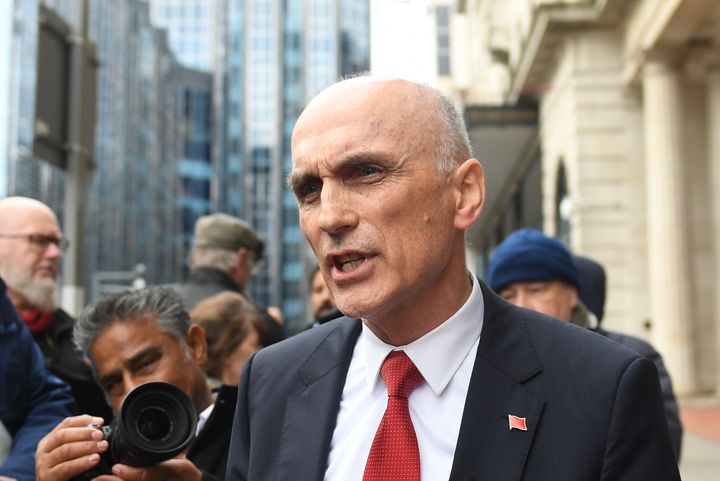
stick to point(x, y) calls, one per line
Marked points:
point(31, 247)
point(225, 252)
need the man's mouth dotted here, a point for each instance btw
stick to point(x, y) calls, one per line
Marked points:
point(348, 262)
point(47, 270)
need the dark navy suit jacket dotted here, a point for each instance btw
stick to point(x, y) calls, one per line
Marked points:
point(593, 408)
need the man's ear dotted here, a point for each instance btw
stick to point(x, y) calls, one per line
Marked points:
point(198, 344)
point(574, 297)
point(469, 184)
point(241, 255)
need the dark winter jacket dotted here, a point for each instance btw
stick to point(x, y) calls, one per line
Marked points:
point(205, 282)
point(209, 451)
point(32, 400)
point(65, 361)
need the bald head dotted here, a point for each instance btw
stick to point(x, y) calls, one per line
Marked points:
point(14, 209)
point(30, 251)
point(417, 113)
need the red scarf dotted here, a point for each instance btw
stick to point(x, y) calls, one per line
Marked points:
point(37, 320)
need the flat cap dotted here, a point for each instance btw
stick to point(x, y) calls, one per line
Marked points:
point(224, 231)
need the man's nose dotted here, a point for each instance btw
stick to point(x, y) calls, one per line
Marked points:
point(52, 251)
point(129, 383)
point(522, 300)
point(337, 214)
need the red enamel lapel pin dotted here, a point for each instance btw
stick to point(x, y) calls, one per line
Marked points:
point(516, 422)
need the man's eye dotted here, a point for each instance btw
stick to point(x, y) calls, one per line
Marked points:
point(368, 170)
point(309, 192)
point(147, 365)
point(305, 189)
point(110, 386)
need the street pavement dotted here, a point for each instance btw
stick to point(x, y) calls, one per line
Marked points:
point(700, 457)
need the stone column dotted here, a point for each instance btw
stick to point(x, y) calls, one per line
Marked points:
point(714, 153)
point(671, 309)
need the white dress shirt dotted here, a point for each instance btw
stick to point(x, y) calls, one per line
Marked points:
point(445, 357)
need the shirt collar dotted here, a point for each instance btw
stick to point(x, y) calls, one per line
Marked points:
point(439, 353)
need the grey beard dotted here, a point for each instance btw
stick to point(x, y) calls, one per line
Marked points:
point(41, 295)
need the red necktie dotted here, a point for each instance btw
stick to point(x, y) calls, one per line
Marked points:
point(394, 454)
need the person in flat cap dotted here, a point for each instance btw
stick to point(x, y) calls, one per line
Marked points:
point(225, 250)
point(532, 270)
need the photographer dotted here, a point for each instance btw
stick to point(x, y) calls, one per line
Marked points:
point(132, 338)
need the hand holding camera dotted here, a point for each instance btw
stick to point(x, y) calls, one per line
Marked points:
point(156, 422)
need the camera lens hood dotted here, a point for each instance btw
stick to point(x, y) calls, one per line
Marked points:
point(156, 421)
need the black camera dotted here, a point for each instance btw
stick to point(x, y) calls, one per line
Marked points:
point(156, 422)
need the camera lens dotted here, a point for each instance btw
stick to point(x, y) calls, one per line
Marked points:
point(156, 421)
point(153, 424)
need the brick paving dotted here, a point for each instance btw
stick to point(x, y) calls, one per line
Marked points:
point(700, 458)
point(702, 420)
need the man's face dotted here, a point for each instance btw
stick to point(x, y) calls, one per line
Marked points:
point(244, 267)
point(321, 301)
point(372, 205)
point(28, 267)
point(554, 298)
point(129, 353)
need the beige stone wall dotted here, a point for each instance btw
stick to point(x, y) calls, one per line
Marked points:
point(590, 119)
point(626, 105)
point(701, 235)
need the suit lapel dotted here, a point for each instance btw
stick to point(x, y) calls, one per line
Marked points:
point(487, 448)
point(311, 413)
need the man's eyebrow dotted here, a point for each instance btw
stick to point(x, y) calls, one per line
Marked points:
point(143, 356)
point(109, 379)
point(356, 159)
point(134, 362)
point(295, 180)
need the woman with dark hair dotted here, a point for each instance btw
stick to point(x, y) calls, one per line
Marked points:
point(233, 327)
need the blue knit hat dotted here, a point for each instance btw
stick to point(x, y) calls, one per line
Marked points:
point(528, 255)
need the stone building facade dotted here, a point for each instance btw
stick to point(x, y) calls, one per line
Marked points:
point(628, 135)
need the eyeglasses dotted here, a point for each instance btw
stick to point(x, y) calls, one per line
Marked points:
point(41, 242)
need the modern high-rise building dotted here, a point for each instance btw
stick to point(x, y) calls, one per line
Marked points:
point(153, 144)
point(191, 29)
point(277, 55)
point(169, 138)
point(269, 59)
point(21, 171)
point(191, 33)
point(195, 167)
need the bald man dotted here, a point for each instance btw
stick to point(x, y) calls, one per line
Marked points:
point(31, 247)
point(431, 375)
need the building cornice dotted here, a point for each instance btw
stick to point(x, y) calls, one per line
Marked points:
point(550, 19)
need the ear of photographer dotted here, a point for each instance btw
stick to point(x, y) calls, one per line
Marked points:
point(130, 339)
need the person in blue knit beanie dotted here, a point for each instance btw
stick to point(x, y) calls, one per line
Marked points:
point(535, 271)
point(532, 270)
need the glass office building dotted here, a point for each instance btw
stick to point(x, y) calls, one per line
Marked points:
point(277, 55)
point(152, 148)
point(21, 172)
point(190, 27)
point(195, 168)
point(269, 58)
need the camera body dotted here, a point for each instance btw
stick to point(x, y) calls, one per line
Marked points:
point(156, 422)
